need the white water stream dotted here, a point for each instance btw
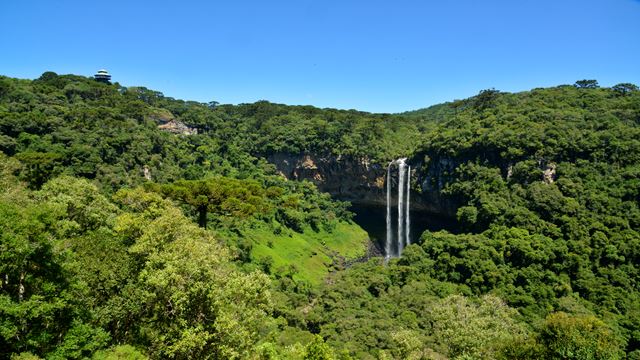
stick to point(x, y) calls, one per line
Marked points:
point(393, 247)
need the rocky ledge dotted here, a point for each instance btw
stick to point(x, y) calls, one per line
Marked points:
point(361, 181)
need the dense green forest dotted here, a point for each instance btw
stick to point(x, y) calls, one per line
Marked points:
point(122, 240)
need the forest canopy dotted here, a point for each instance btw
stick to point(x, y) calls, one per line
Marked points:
point(121, 239)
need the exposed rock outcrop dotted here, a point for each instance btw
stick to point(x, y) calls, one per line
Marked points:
point(146, 172)
point(169, 123)
point(432, 174)
point(362, 181)
point(178, 127)
point(548, 172)
point(347, 178)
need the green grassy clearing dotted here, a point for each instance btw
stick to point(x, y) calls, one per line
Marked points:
point(312, 253)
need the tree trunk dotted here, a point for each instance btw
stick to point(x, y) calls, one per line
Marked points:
point(202, 217)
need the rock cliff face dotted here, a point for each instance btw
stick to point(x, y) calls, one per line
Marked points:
point(346, 178)
point(168, 122)
point(431, 177)
point(178, 127)
point(362, 182)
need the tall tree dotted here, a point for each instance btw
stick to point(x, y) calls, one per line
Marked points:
point(624, 88)
point(586, 84)
point(225, 197)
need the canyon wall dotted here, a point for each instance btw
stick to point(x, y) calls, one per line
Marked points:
point(362, 182)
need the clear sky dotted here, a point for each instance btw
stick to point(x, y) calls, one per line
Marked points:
point(382, 56)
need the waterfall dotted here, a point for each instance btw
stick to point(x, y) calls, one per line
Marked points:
point(407, 223)
point(394, 247)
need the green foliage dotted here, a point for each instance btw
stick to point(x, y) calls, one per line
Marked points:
point(478, 331)
point(582, 337)
point(313, 254)
point(586, 84)
point(224, 197)
point(34, 298)
point(258, 222)
point(318, 350)
point(80, 341)
point(545, 181)
point(78, 273)
point(624, 88)
point(467, 215)
point(39, 166)
point(25, 356)
point(544, 263)
point(411, 316)
point(120, 352)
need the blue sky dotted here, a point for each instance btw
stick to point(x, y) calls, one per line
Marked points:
point(382, 56)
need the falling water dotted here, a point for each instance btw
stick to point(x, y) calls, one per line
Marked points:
point(404, 221)
point(408, 218)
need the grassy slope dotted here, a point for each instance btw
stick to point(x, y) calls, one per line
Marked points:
point(312, 253)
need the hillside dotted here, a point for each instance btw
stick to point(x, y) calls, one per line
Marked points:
point(138, 224)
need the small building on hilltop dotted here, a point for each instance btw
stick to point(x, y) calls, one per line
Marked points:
point(103, 76)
